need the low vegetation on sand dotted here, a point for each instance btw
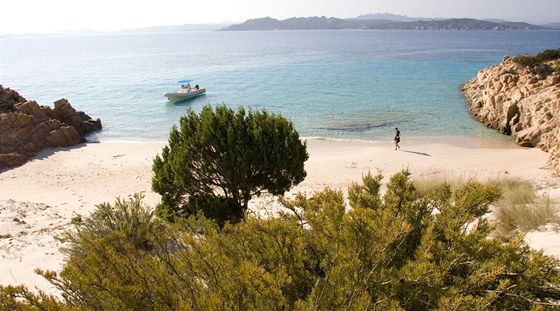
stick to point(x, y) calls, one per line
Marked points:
point(521, 207)
point(401, 250)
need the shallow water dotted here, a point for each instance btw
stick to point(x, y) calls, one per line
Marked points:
point(336, 84)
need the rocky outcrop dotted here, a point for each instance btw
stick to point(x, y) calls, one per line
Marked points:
point(26, 127)
point(8, 99)
point(521, 101)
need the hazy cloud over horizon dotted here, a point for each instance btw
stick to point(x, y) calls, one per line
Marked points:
point(39, 16)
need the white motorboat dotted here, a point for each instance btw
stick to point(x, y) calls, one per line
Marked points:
point(185, 92)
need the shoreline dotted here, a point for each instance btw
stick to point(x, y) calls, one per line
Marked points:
point(503, 141)
point(454, 140)
point(59, 184)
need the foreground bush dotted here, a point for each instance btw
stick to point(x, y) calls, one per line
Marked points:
point(397, 251)
point(219, 159)
point(19, 298)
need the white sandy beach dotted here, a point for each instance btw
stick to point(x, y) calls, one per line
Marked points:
point(39, 199)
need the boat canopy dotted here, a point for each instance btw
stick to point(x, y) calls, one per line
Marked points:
point(184, 81)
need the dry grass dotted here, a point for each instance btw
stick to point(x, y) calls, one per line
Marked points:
point(427, 183)
point(520, 208)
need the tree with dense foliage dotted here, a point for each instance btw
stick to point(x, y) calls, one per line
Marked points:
point(218, 159)
point(400, 250)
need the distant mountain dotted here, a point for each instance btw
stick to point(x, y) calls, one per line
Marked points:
point(393, 17)
point(362, 22)
point(387, 17)
point(495, 20)
point(552, 26)
point(268, 23)
point(461, 24)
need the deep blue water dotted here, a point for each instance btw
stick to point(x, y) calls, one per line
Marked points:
point(338, 84)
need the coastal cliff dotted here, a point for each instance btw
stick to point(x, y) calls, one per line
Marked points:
point(26, 127)
point(521, 97)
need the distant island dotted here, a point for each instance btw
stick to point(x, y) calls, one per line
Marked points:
point(381, 22)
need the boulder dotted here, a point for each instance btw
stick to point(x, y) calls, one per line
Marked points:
point(26, 127)
point(8, 99)
point(520, 101)
point(66, 114)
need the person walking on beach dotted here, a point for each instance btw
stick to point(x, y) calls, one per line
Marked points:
point(397, 138)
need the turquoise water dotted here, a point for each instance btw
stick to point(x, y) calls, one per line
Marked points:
point(337, 84)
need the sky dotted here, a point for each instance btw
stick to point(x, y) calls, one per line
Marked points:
point(48, 16)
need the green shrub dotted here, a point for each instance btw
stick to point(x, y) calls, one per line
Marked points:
point(218, 160)
point(130, 218)
point(399, 251)
point(539, 58)
point(548, 55)
point(511, 72)
point(19, 298)
point(526, 60)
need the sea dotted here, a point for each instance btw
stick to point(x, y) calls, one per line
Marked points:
point(332, 84)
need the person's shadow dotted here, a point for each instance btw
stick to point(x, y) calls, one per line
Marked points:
point(420, 153)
